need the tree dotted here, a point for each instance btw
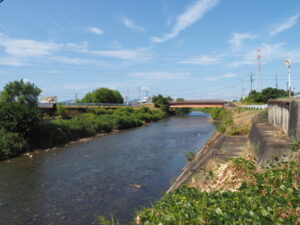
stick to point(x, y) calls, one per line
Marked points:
point(162, 103)
point(103, 95)
point(182, 111)
point(265, 95)
point(19, 107)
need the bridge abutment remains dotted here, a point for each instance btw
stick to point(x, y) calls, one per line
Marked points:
point(272, 141)
point(285, 115)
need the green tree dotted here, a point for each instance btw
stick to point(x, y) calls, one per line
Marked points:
point(182, 111)
point(19, 107)
point(103, 95)
point(265, 95)
point(162, 103)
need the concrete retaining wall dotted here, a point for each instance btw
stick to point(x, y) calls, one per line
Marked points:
point(270, 144)
point(286, 116)
point(279, 116)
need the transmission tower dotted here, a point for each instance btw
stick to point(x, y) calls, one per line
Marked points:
point(258, 72)
point(251, 81)
point(127, 96)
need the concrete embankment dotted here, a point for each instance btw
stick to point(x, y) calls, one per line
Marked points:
point(270, 144)
point(267, 142)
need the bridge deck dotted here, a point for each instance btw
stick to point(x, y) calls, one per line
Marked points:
point(198, 104)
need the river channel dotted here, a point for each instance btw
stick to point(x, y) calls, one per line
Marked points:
point(76, 184)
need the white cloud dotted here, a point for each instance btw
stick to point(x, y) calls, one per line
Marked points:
point(211, 78)
point(159, 75)
point(237, 39)
point(19, 52)
point(131, 24)
point(11, 62)
point(26, 80)
point(27, 48)
point(140, 54)
point(191, 15)
point(228, 75)
point(79, 61)
point(269, 52)
point(95, 30)
point(287, 24)
point(202, 60)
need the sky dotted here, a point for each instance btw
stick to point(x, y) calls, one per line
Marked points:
point(195, 49)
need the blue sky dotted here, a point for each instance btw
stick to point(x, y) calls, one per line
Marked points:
point(196, 49)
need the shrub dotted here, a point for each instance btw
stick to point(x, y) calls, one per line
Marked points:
point(271, 197)
point(62, 131)
point(61, 110)
point(238, 130)
point(11, 144)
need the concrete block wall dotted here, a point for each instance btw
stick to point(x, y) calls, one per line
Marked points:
point(286, 116)
point(294, 122)
point(279, 116)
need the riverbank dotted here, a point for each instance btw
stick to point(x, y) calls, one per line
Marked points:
point(75, 185)
point(59, 132)
point(224, 183)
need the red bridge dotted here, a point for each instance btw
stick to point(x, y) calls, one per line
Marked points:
point(199, 104)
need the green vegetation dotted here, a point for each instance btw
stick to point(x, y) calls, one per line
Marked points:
point(18, 107)
point(61, 111)
point(162, 103)
point(22, 128)
point(238, 130)
point(223, 116)
point(295, 145)
point(182, 111)
point(103, 95)
point(189, 156)
point(265, 95)
point(269, 196)
point(96, 121)
point(11, 144)
point(18, 115)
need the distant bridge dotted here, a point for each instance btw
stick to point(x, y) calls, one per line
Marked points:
point(199, 104)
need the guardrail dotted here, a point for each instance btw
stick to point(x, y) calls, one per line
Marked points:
point(52, 105)
point(254, 106)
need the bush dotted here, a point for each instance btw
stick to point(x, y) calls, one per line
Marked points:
point(18, 107)
point(61, 110)
point(11, 144)
point(271, 197)
point(238, 130)
point(62, 131)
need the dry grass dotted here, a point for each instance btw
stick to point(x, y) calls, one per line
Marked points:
point(223, 177)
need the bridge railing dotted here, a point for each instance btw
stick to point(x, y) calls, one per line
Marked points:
point(51, 105)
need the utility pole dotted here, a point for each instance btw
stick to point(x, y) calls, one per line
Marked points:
point(127, 96)
point(258, 72)
point(242, 90)
point(251, 81)
point(288, 63)
point(76, 97)
point(276, 82)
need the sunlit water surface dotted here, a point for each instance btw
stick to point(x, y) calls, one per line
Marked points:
point(76, 184)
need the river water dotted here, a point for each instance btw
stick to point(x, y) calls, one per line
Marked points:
point(76, 184)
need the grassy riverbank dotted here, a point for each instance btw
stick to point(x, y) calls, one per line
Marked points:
point(60, 131)
point(269, 196)
point(231, 190)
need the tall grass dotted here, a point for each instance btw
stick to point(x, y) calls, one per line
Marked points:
point(96, 121)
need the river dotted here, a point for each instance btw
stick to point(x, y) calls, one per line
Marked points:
point(76, 184)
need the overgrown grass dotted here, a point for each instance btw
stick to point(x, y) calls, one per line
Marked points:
point(238, 130)
point(270, 197)
point(96, 121)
